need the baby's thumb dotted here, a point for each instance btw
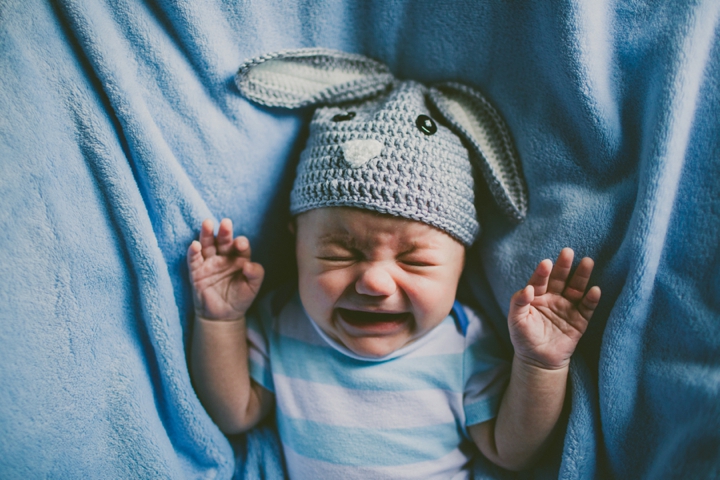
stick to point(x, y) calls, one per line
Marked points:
point(254, 272)
point(520, 301)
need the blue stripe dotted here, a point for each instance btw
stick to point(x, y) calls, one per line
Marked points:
point(261, 375)
point(482, 411)
point(368, 447)
point(327, 366)
point(483, 356)
point(461, 319)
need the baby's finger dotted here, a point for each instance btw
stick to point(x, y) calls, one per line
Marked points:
point(590, 302)
point(194, 256)
point(560, 271)
point(224, 241)
point(207, 238)
point(579, 281)
point(539, 278)
point(242, 246)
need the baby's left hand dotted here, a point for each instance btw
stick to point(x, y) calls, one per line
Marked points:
point(548, 317)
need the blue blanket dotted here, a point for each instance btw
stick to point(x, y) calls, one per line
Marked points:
point(121, 130)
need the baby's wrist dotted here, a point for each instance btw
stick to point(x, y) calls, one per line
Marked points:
point(534, 366)
point(534, 378)
point(223, 320)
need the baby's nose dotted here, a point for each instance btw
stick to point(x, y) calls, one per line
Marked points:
point(376, 281)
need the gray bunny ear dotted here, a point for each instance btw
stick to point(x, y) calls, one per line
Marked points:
point(311, 76)
point(472, 117)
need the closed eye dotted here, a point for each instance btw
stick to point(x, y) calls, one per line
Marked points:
point(337, 259)
point(418, 257)
point(417, 264)
point(337, 254)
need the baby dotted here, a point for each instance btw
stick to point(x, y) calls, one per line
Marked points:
point(373, 369)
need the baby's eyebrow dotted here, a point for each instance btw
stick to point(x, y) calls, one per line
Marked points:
point(406, 250)
point(414, 246)
point(418, 245)
point(337, 239)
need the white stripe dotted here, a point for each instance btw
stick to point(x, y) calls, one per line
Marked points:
point(447, 340)
point(449, 466)
point(365, 408)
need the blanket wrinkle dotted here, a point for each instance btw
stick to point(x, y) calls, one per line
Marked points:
point(152, 300)
point(121, 130)
point(590, 46)
point(669, 119)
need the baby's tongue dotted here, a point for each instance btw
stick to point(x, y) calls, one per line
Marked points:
point(356, 317)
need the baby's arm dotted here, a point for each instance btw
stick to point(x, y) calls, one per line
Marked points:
point(546, 320)
point(225, 282)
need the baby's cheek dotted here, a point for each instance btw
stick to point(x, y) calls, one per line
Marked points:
point(434, 297)
point(328, 286)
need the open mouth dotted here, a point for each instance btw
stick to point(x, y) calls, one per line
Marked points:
point(359, 318)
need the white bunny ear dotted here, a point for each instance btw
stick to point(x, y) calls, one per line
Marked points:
point(311, 76)
point(472, 117)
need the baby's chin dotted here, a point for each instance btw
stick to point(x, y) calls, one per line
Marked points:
point(374, 347)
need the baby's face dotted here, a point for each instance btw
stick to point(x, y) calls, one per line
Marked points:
point(375, 283)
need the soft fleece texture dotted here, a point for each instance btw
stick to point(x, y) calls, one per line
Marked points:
point(121, 130)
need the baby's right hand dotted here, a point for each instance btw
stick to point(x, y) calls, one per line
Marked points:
point(225, 282)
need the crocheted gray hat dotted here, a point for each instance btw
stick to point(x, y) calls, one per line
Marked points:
point(374, 144)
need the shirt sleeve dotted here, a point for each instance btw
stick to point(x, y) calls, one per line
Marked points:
point(259, 324)
point(486, 369)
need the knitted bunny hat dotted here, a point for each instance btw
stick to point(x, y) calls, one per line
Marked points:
point(373, 143)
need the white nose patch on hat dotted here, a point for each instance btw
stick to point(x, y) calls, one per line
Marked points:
point(358, 152)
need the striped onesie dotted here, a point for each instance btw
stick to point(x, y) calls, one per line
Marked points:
point(402, 416)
